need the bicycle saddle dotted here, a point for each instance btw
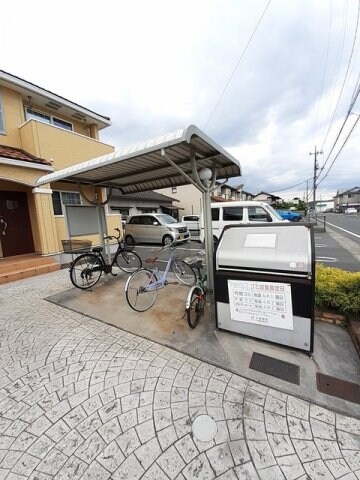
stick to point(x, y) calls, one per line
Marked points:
point(97, 249)
point(198, 264)
point(151, 259)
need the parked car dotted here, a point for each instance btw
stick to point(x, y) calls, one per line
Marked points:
point(235, 213)
point(290, 215)
point(155, 228)
point(350, 211)
point(193, 224)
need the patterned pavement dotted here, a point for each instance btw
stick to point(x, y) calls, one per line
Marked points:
point(83, 400)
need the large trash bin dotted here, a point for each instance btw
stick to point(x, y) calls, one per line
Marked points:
point(264, 283)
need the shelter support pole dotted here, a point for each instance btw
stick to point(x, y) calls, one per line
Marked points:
point(206, 186)
point(209, 242)
point(102, 235)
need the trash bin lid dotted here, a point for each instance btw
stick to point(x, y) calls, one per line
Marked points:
point(278, 247)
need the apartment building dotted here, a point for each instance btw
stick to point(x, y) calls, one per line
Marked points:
point(40, 132)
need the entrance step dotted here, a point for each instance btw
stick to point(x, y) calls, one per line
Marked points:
point(25, 266)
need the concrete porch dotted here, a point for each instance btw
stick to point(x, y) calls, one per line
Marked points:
point(25, 266)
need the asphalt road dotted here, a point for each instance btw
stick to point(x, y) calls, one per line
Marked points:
point(330, 247)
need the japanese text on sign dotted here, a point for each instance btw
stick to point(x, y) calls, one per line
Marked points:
point(262, 303)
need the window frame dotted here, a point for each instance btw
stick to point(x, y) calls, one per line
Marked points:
point(239, 212)
point(62, 214)
point(51, 119)
point(173, 189)
point(2, 118)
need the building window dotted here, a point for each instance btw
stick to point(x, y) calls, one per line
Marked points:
point(148, 210)
point(45, 118)
point(60, 199)
point(2, 124)
point(173, 189)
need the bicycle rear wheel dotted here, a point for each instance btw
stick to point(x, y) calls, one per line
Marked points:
point(86, 270)
point(196, 306)
point(183, 272)
point(129, 262)
point(137, 295)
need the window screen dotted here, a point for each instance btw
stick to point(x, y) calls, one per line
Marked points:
point(64, 198)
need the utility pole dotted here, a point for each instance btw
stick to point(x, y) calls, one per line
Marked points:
point(316, 168)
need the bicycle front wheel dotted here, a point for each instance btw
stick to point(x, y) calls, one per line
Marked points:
point(183, 272)
point(86, 271)
point(196, 306)
point(129, 262)
point(139, 294)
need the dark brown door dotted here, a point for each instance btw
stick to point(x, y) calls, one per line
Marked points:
point(15, 227)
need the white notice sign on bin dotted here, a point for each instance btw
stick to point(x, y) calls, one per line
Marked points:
point(262, 303)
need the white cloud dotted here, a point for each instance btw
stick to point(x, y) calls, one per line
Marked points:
point(160, 65)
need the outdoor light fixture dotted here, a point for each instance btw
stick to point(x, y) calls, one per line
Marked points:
point(205, 175)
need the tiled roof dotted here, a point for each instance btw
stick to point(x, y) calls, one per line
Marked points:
point(18, 154)
point(149, 195)
point(351, 190)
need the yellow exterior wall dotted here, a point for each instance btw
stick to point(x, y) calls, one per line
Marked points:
point(112, 221)
point(23, 175)
point(13, 117)
point(61, 147)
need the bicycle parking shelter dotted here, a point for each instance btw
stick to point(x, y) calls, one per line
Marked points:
point(186, 156)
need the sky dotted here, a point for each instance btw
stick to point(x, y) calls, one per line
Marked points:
point(156, 66)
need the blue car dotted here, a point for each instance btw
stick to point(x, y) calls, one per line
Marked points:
point(290, 215)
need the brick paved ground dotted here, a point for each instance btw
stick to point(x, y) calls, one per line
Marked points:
point(80, 399)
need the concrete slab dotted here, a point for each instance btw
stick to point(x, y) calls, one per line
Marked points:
point(165, 323)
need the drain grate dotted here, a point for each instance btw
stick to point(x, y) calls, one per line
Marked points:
point(338, 388)
point(276, 368)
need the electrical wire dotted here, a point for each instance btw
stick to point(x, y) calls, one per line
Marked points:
point(343, 84)
point(341, 148)
point(237, 64)
point(292, 186)
point(325, 67)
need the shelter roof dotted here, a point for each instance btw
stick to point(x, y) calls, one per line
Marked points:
point(142, 167)
point(149, 195)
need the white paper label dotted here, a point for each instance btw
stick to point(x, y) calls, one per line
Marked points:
point(262, 303)
point(260, 240)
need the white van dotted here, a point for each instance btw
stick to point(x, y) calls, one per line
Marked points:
point(235, 213)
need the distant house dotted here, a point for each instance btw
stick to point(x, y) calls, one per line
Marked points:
point(268, 198)
point(189, 197)
point(347, 198)
point(142, 202)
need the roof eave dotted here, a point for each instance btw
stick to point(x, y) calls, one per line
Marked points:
point(102, 121)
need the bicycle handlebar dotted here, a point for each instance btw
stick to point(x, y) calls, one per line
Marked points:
point(110, 237)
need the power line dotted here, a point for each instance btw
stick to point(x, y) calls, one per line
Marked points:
point(325, 68)
point(345, 78)
point(341, 148)
point(291, 186)
point(237, 64)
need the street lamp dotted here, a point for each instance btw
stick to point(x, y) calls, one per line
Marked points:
point(205, 175)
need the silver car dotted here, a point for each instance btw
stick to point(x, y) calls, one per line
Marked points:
point(155, 228)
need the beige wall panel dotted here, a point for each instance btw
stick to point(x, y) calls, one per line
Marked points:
point(46, 223)
point(62, 147)
point(189, 198)
point(18, 174)
point(13, 117)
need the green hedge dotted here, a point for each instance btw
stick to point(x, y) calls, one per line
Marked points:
point(337, 289)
